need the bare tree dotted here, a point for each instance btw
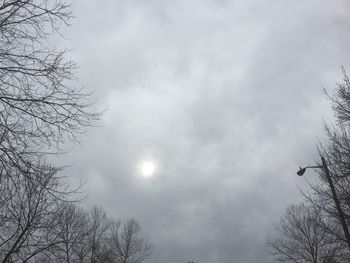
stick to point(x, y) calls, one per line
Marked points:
point(82, 235)
point(303, 238)
point(40, 105)
point(71, 231)
point(94, 238)
point(98, 227)
point(127, 245)
point(336, 150)
point(340, 99)
point(28, 215)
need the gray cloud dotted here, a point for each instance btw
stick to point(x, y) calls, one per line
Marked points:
point(225, 96)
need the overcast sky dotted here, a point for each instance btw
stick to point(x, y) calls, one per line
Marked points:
point(224, 97)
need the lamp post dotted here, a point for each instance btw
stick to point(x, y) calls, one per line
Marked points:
point(334, 194)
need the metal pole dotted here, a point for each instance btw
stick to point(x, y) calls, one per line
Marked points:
point(337, 202)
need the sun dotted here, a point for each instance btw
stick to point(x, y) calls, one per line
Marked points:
point(147, 169)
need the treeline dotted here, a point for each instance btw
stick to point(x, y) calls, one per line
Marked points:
point(42, 108)
point(38, 227)
point(313, 231)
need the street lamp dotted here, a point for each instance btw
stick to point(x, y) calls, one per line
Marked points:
point(334, 194)
point(302, 170)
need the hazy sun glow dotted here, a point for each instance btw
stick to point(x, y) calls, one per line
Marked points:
point(147, 168)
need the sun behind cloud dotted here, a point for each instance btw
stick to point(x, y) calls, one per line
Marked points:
point(147, 168)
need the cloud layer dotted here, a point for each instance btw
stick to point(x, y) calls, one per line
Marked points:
point(225, 96)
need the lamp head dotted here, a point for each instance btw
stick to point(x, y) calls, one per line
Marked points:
point(301, 171)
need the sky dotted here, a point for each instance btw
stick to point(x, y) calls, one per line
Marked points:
point(224, 97)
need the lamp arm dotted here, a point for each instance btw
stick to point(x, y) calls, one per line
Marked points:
point(314, 166)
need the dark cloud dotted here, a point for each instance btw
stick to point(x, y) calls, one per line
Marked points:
point(225, 96)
